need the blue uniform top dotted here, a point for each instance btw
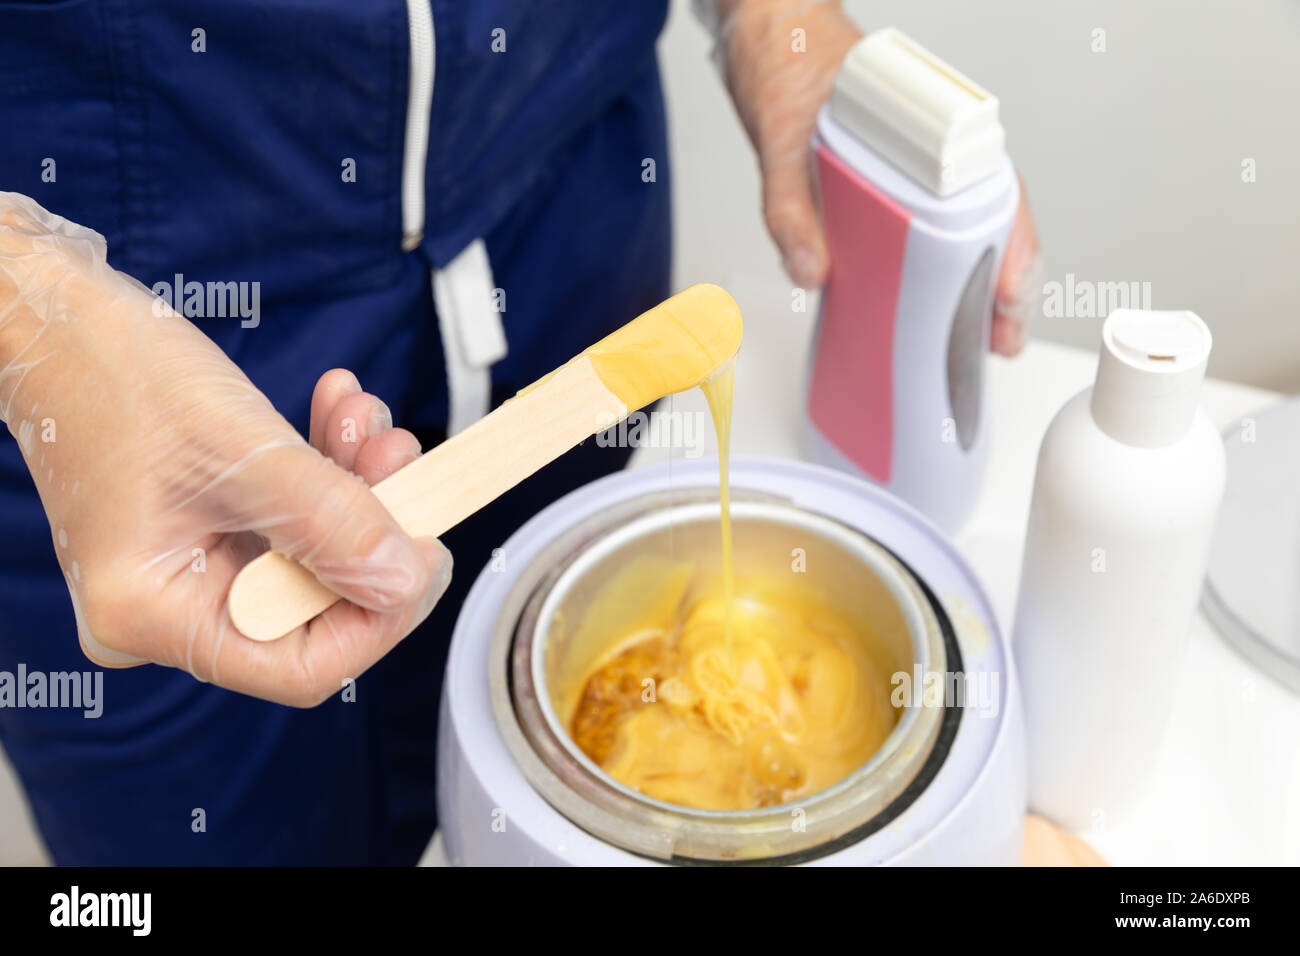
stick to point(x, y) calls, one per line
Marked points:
point(263, 141)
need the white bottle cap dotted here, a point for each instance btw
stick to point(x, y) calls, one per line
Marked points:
point(1149, 375)
point(932, 122)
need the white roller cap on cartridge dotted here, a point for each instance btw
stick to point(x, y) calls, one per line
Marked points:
point(928, 119)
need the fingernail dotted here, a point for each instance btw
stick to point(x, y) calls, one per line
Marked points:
point(381, 419)
point(804, 267)
point(392, 571)
point(415, 451)
point(353, 384)
point(437, 554)
point(106, 656)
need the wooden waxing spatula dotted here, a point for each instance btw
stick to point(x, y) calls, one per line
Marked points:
point(675, 346)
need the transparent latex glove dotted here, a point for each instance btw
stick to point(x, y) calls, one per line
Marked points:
point(780, 58)
point(163, 471)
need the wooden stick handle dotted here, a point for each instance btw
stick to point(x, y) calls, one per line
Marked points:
point(273, 594)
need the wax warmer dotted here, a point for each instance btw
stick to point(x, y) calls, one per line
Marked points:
point(945, 786)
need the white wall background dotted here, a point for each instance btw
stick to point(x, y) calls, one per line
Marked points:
point(1132, 157)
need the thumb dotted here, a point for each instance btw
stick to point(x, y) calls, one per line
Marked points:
point(790, 211)
point(328, 520)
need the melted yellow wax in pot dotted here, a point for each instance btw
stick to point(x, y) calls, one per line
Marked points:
point(720, 694)
point(791, 704)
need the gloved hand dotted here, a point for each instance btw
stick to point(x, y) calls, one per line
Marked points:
point(777, 91)
point(163, 470)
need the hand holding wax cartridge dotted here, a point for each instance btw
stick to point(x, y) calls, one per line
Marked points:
point(778, 88)
point(674, 346)
point(924, 220)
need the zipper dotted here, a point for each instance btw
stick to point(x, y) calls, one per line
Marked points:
point(419, 18)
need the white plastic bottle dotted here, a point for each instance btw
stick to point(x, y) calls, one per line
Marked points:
point(1129, 481)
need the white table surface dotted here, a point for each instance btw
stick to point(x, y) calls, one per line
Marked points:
point(1225, 788)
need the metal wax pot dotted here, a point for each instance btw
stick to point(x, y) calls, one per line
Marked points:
point(506, 760)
